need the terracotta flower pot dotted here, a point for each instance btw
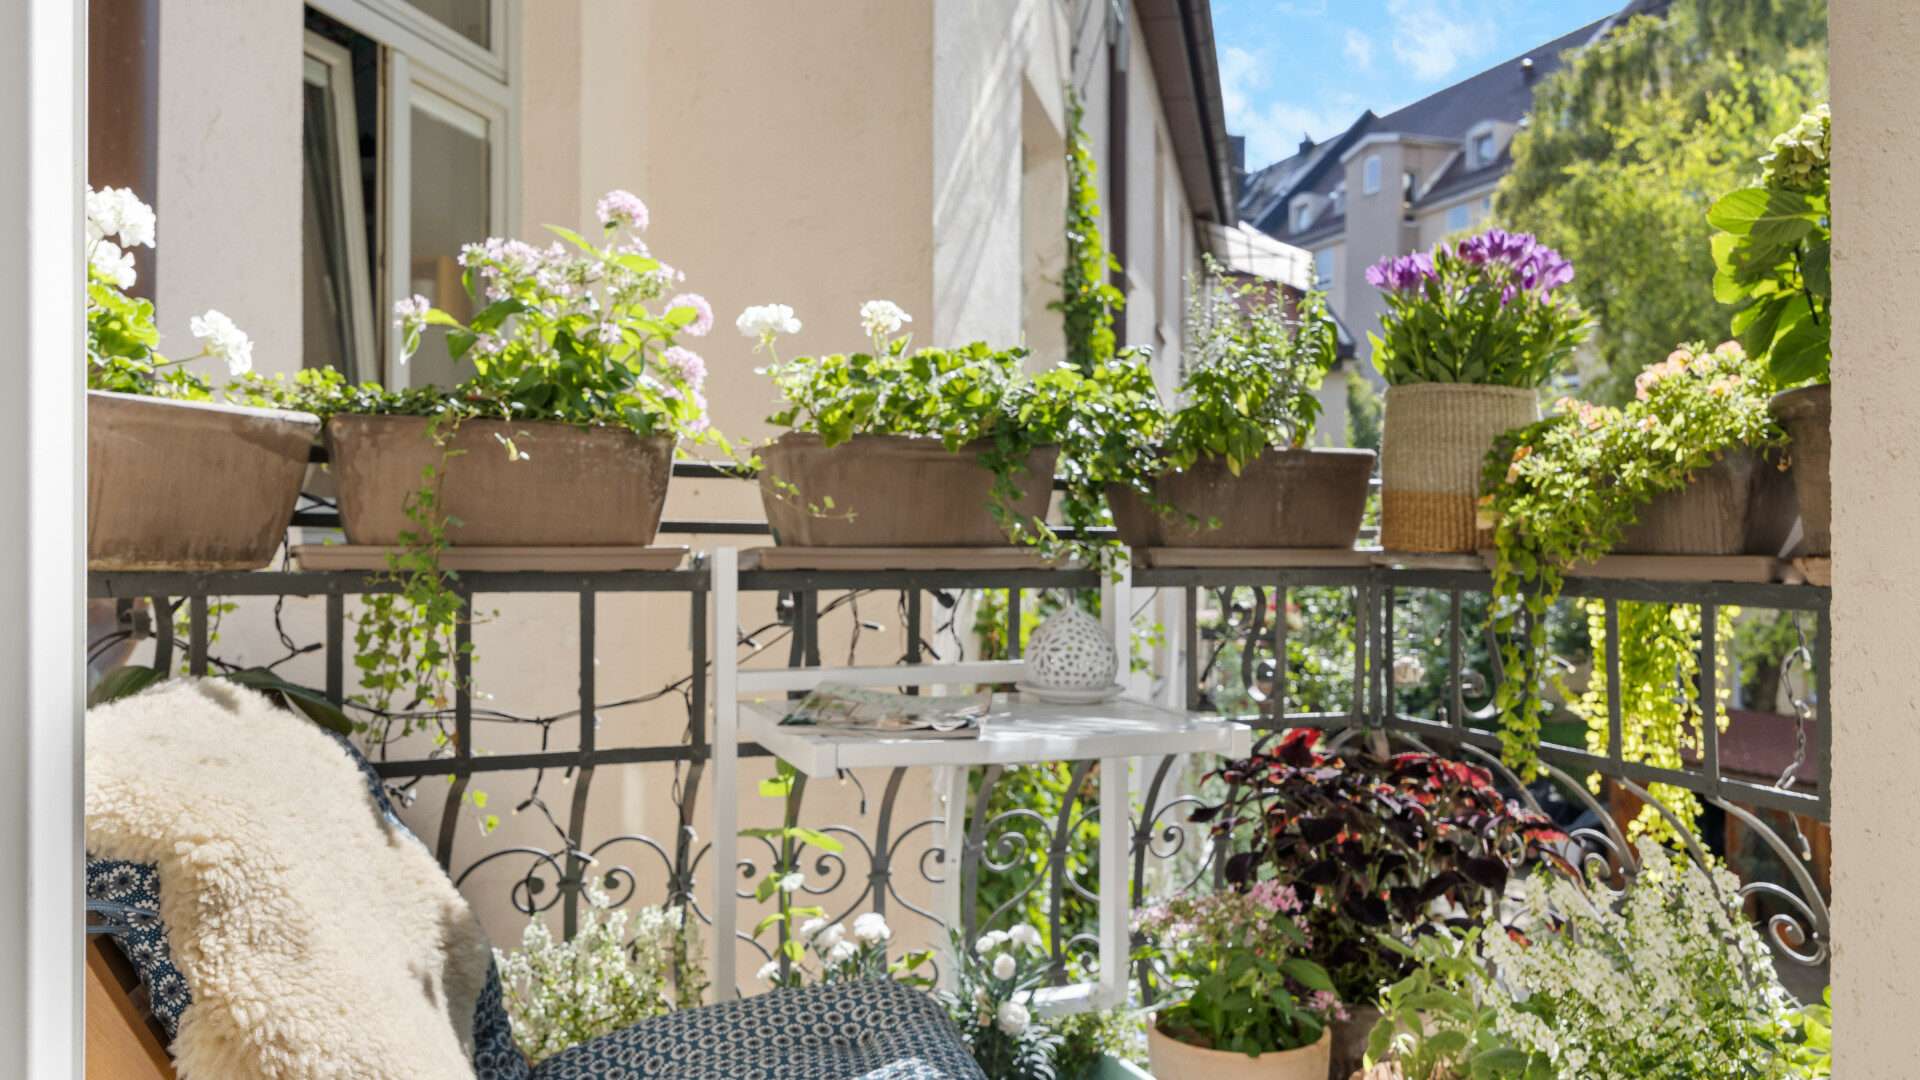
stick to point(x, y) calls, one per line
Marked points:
point(187, 485)
point(1171, 1059)
point(1807, 414)
point(1741, 505)
point(575, 487)
point(1281, 499)
point(890, 491)
point(1432, 450)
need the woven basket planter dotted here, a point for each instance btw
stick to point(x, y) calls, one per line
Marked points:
point(1431, 453)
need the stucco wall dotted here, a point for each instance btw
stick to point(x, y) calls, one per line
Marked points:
point(1876, 595)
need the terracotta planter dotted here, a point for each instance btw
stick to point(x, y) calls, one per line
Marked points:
point(1171, 1059)
point(1281, 499)
point(890, 491)
point(1432, 450)
point(1807, 414)
point(1349, 1049)
point(1741, 505)
point(181, 485)
point(576, 487)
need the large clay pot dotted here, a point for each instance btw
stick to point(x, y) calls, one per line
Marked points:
point(891, 491)
point(1742, 504)
point(1171, 1059)
point(1281, 499)
point(1807, 414)
point(1432, 451)
point(574, 486)
point(189, 485)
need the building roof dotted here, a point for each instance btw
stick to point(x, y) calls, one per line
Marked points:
point(1186, 69)
point(1501, 93)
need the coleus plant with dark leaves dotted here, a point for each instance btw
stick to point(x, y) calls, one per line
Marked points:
point(1382, 847)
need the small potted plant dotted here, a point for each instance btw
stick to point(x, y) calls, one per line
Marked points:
point(1230, 467)
point(1774, 254)
point(991, 1002)
point(1687, 467)
point(175, 480)
point(1377, 848)
point(1472, 331)
point(564, 434)
point(905, 448)
point(1239, 997)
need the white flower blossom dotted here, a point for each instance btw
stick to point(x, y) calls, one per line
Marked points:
point(792, 882)
point(1012, 1019)
point(764, 322)
point(119, 213)
point(113, 264)
point(1408, 671)
point(872, 928)
point(842, 952)
point(222, 340)
point(990, 941)
point(1004, 966)
point(411, 310)
point(882, 317)
point(811, 928)
point(830, 936)
point(769, 971)
point(1025, 934)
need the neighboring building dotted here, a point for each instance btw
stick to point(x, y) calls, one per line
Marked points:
point(311, 163)
point(1392, 184)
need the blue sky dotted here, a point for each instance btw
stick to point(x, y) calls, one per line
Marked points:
point(1294, 66)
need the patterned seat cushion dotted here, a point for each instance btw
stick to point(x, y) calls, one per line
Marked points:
point(876, 1030)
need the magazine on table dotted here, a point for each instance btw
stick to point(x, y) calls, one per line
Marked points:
point(838, 709)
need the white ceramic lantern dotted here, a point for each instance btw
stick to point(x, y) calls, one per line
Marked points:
point(1070, 657)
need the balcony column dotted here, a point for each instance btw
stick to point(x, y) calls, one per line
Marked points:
point(42, 558)
point(1876, 596)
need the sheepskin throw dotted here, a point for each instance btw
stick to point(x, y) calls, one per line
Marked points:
point(319, 938)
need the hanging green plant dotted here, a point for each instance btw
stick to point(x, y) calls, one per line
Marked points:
point(1561, 492)
point(1088, 297)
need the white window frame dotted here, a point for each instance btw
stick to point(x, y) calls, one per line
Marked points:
point(1483, 130)
point(1370, 171)
point(1324, 281)
point(329, 66)
point(1465, 210)
point(1302, 215)
point(428, 62)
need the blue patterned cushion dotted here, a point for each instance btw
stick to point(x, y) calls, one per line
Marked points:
point(876, 1030)
point(120, 885)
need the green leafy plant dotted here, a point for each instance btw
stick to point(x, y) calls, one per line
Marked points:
point(972, 394)
point(1491, 309)
point(992, 1003)
point(1233, 973)
point(1088, 297)
point(1561, 492)
point(1438, 1024)
point(1088, 1038)
point(620, 968)
point(1774, 254)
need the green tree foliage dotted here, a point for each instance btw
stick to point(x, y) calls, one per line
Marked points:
point(1629, 144)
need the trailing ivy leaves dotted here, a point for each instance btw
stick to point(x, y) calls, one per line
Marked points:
point(1561, 492)
point(1088, 297)
point(1773, 255)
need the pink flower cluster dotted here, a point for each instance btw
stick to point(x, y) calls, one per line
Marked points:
point(620, 209)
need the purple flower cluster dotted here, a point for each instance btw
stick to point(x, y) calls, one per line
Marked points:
point(1535, 266)
point(1403, 274)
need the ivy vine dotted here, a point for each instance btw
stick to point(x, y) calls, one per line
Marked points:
point(1088, 298)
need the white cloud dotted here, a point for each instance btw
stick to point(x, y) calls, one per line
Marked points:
point(1273, 128)
point(1312, 9)
point(1432, 41)
point(1359, 49)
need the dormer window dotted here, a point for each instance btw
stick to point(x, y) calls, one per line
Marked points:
point(1484, 149)
point(1340, 199)
point(1483, 144)
point(1370, 175)
point(1302, 216)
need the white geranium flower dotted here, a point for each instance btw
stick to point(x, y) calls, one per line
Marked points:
point(1012, 1019)
point(882, 317)
point(769, 971)
point(831, 936)
point(872, 928)
point(1004, 966)
point(990, 941)
point(792, 882)
point(113, 264)
point(841, 952)
point(764, 322)
point(221, 339)
point(811, 928)
point(1025, 934)
point(119, 213)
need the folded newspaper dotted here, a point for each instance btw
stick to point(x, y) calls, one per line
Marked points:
point(838, 709)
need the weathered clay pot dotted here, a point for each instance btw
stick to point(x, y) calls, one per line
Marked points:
point(1281, 499)
point(890, 491)
point(1807, 414)
point(1432, 450)
point(184, 485)
point(1171, 1059)
point(575, 486)
point(1349, 1049)
point(1741, 505)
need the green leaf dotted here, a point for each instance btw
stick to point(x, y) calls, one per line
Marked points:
point(1805, 351)
point(1307, 973)
point(123, 682)
point(1766, 214)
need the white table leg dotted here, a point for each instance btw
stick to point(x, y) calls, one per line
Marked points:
point(724, 790)
point(951, 782)
point(1116, 906)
